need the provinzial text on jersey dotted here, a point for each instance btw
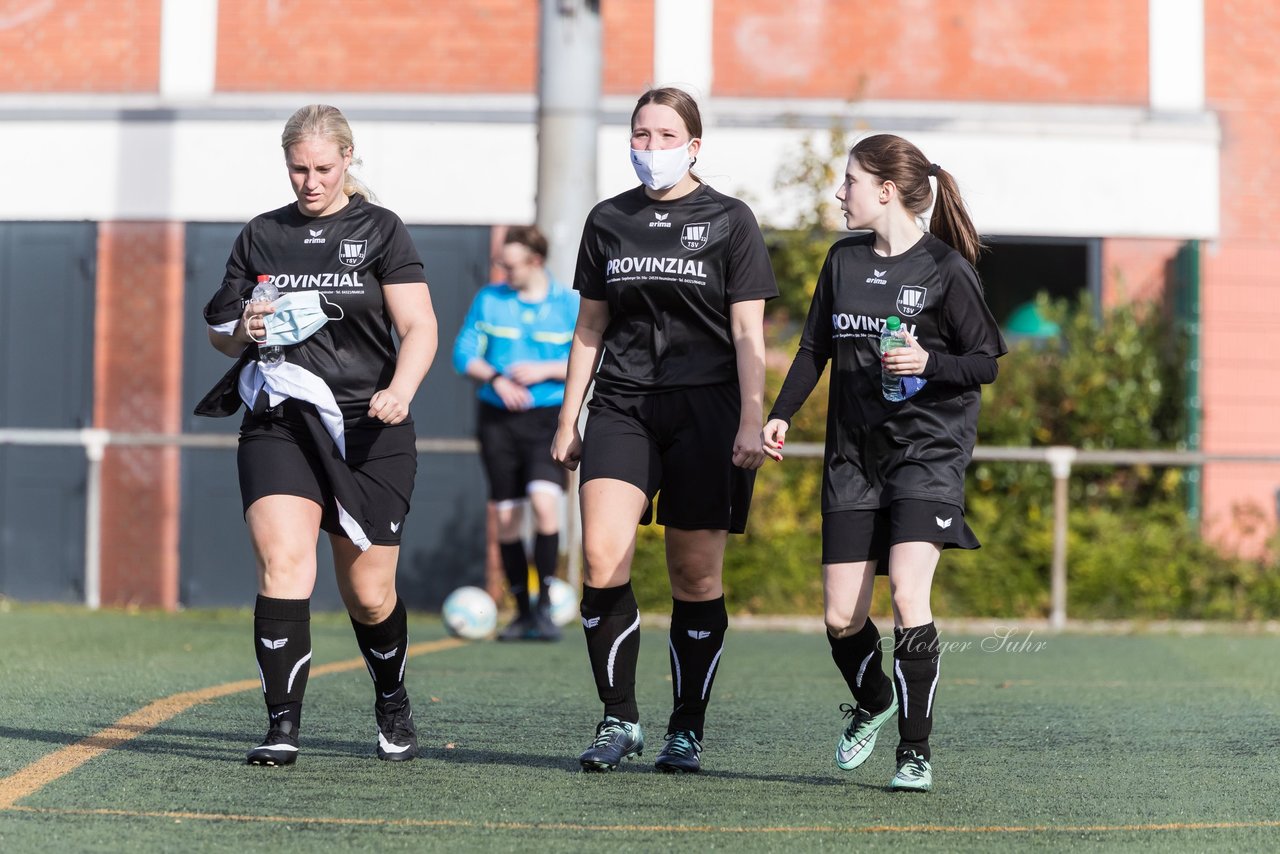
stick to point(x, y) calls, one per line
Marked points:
point(318, 280)
point(649, 264)
point(842, 322)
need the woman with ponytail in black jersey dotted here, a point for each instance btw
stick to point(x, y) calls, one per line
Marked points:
point(673, 276)
point(327, 442)
point(893, 483)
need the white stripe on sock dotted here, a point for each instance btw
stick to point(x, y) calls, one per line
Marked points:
point(711, 671)
point(902, 681)
point(863, 668)
point(613, 650)
point(293, 673)
point(675, 660)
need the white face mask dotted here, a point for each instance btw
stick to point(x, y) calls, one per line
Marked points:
point(661, 169)
point(298, 316)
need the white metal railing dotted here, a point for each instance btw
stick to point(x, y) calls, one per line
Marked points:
point(95, 442)
point(1060, 459)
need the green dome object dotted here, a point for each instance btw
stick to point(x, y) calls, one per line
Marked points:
point(1026, 321)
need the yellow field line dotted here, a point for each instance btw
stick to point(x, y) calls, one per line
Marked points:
point(45, 770)
point(657, 828)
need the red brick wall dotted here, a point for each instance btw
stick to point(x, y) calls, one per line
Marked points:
point(138, 387)
point(1083, 52)
point(1135, 270)
point(1240, 307)
point(480, 46)
point(80, 46)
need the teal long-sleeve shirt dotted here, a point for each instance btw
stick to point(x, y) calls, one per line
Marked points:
point(504, 330)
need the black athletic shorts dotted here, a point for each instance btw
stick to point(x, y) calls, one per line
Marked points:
point(679, 443)
point(277, 456)
point(515, 448)
point(851, 536)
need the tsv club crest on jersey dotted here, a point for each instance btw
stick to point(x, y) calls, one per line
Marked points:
point(351, 252)
point(695, 235)
point(911, 300)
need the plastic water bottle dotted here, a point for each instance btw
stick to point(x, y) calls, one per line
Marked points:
point(264, 291)
point(891, 338)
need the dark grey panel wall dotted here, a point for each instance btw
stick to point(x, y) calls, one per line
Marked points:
point(443, 543)
point(47, 275)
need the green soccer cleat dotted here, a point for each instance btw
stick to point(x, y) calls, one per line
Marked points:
point(915, 774)
point(615, 741)
point(859, 737)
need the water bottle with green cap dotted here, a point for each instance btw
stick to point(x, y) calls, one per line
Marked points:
point(892, 336)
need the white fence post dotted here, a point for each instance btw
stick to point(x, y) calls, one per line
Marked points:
point(1060, 459)
point(95, 445)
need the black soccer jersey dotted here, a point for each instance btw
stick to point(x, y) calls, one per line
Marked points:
point(347, 256)
point(669, 271)
point(878, 451)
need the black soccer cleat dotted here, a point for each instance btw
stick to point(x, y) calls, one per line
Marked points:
point(547, 628)
point(522, 628)
point(681, 754)
point(280, 747)
point(397, 736)
point(615, 741)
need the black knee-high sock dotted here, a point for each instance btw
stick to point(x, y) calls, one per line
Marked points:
point(546, 553)
point(915, 666)
point(611, 620)
point(860, 661)
point(696, 642)
point(385, 649)
point(515, 564)
point(282, 643)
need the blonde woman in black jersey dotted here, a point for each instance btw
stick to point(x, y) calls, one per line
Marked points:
point(327, 442)
point(893, 485)
point(673, 277)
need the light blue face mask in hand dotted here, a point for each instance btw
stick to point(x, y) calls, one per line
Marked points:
point(298, 316)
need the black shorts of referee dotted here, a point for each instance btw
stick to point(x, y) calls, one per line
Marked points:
point(853, 536)
point(515, 448)
point(678, 443)
point(279, 455)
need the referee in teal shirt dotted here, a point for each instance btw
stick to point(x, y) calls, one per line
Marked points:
point(515, 342)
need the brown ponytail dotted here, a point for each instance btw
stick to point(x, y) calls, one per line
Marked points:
point(893, 158)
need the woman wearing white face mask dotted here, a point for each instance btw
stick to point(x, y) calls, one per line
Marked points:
point(327, 442)
point(673, 276)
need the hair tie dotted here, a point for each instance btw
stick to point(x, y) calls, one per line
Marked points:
point(934, 169)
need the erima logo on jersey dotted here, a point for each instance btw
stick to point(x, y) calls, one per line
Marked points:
point(315, 235)
point(877, 277)
point(590, 622)
point(697, 635)
point(911, 300)
point(274, 644)
point(318, 280)
point(842, 322)
point(660, 220)
point(944, 524)
point(395, 527)
point(678, 266)
point(385, 655)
